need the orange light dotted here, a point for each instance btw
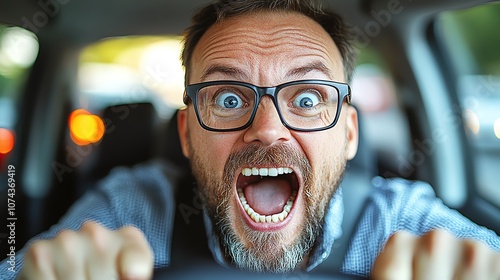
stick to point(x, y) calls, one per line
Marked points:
point(85, 128)
point(6, 141)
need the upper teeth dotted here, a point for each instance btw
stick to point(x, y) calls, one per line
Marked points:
point(266, 171)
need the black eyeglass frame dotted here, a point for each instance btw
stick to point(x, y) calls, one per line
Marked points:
point(192, 90)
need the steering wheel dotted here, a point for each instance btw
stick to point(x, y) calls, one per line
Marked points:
point(215, 271)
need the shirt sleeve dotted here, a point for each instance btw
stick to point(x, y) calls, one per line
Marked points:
point(412, 206)
point(141, 197)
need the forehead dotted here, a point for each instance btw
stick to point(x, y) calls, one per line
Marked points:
point(278, 41)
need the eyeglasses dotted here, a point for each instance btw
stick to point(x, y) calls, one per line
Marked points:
point(306, 105)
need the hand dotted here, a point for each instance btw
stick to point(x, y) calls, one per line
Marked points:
point(93, 252)
point(436, 255)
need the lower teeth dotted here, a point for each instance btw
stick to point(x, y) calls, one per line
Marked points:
point(258, 218)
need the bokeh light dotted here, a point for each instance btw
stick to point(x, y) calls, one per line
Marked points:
point(85, 128)
point(6, 141)
point(472, 121)
point(496, 128)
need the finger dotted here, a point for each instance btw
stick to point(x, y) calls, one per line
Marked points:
point(103, 269)
point(474, 262)
point(103, 251)
point(37, 262)
point(437, 255)
point(68, 255)
point(135, 259)
point(395, 260)
point(494, 265)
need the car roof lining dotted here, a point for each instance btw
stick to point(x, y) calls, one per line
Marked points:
point(85, 21)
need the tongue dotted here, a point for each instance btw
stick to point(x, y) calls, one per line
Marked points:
point(268, 196)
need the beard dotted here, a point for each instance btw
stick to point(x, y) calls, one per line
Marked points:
point(266, 251)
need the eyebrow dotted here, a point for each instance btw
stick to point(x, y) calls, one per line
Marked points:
point(238, 74)
point(313, 66)
point(226, 71)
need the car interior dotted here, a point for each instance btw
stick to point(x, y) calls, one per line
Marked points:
point(428, 105)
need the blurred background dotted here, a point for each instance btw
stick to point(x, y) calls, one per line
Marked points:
point(145, 72)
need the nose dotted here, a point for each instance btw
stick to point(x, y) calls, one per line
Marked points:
point(267, 127)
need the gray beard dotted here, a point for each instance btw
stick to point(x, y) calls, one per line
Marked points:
point(266, 252)
point(257, 258)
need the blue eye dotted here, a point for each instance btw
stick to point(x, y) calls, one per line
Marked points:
point(229, 100)
point(306, 100)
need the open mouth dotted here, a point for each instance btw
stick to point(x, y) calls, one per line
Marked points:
point(267, 195)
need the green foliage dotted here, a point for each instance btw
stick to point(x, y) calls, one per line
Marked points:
point(479, 28)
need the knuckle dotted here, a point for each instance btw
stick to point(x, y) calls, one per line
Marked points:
point(398, 238)
point(66, 236)
point(473, 251)
point(98, 236)
point(387, 264)
point(67, 241)
point(439, 233)
point(69, 250)
point(38, 252)
point(93, 230)
point(130, 232)
point(386, 269)
point(432, 241)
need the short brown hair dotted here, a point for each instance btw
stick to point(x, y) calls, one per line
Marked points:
point(219, 10)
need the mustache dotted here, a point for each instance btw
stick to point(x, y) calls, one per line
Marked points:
point(280, 155)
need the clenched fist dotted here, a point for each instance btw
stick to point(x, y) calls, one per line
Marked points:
point(436, 255)
point(93, 252)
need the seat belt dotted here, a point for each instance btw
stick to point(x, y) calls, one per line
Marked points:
point(355, 199)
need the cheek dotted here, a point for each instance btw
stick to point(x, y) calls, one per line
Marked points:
point(210, 149)
point(324, 147)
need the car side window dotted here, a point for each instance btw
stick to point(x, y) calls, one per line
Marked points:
point(470, 40)
point(18, 51)
point(131, 69)
point(382, 120)
point(127, 86)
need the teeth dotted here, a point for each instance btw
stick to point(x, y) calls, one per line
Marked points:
point(273, 172)
point(258, 218)
point(287, 208)
point(266, 171)
point(262, 219)
point(247, 172)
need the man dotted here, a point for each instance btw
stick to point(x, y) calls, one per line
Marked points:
point(268, 129)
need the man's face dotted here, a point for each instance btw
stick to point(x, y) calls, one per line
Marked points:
point(250, 213)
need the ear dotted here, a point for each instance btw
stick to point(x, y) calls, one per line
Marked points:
point(352, 132)
point(182, 126)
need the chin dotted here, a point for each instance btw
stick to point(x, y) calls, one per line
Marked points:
point(278, 247)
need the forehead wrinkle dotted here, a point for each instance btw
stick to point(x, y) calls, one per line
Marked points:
point(220, 50)
point(231, 44)
point(264, 39)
